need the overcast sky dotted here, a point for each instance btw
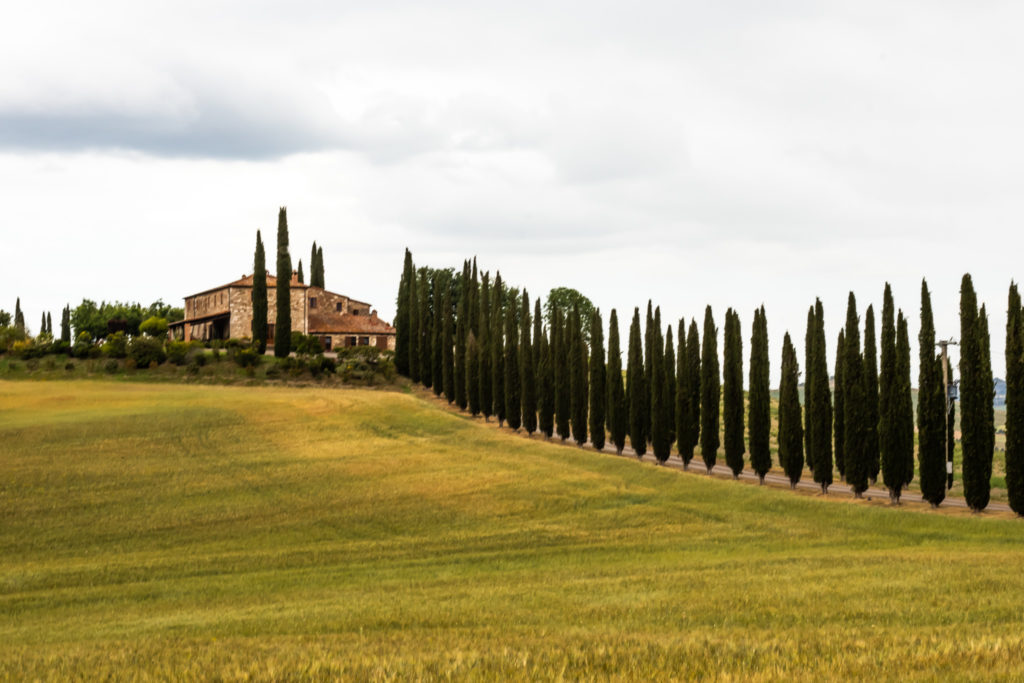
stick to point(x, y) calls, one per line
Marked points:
point(723, 153)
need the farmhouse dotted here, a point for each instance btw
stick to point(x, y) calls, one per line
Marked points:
point(225, 312)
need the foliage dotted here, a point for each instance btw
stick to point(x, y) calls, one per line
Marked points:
point(819, 396)
point(496, 345)
point(259, 326)
point(545, 388)
point(528, 371)
point(732, 393)
point(839, 405)
point(975, 398)
point(760, 417)
point(283, 318)
point(931, 409)
point(1015, 401)
point(855, 420)
point(513, 378)
point(870, 369)
point(791, 455)
point(710, 392)
point(578, 390)
point(403, 330)
point(661, 441)
point(106, 317)
point(636, 388)
point(146, 350)
point(116, 345)
point(566, 299)
point(154, 327)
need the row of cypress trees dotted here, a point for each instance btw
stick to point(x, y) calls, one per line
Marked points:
point(490, 357)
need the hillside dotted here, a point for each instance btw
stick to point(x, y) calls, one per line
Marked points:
point(268, 533)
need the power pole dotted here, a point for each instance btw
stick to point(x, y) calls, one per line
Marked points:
point(950, 392)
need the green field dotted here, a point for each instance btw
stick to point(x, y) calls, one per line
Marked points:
point(180, 531)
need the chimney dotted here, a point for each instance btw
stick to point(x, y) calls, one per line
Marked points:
point(295, 278)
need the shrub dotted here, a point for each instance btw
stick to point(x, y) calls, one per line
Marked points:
point(32, 364)
point(83, 345)
point(274, 371)
point(154, 327)
point(69, 366)
point(215, 353)
point(320, 364)
point(197, 357)
point(111, 366)
point(116, 345)
point(145, 351)
point(247, 358)
point(130, 364)
point(177, 351)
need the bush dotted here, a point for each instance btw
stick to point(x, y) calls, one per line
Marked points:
point(111, 366)
point(247, 358)
point(320, 364)
point(32, 364)
point(130, 364)
point(69, 366)
point(145, 351)
point(197, 357)
point(116, 345)
point(83, 345)
point(304, 345)
point(154, 326)
point(176, 351)
point(274, 371)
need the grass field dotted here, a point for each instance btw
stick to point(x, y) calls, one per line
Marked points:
point(274, 533)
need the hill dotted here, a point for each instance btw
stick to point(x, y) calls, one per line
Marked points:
point(269, 533)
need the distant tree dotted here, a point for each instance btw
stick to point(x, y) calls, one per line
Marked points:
point(791, 454)
point(538, 329)
point(563, 382)
point(710, 392)
point(527, 371)
point(839, 405)
point(598, 385)
point(931, 409)
point(65, 325)
point(497, 344)
point(474, 302)
point(871, 395)
point(415, 326)
point(808, 382)
point(661, 441)
point(425, 341)
point(893, 468)
point(682, 397)
point(513, 377)
point(485, 339)
point(19, 317)
point(618, 411)
point(580, 390)
point(821, 405)
point(448, 341)
point(1015, 401)
point(259, 297)
point(732, 393)
point(472, 368)
point(301, 276)
point(975, 393)
point(693, 351)
point(154, 327)
point(313, 267)
point(546, 388)
point(636, 389)
point(403, 321)
point(283, 321)
point(42, 325)
point(855, 387)
point(438, 283)
point(565, 299)
point(648, 362)
point(670, 384)
point(760, 415)
point(5, 319)
point(903, 405)
point(320, 267)
point(461, 337)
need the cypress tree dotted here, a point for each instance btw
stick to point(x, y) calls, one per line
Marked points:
point(976, 397)
point(474, 303)
point(313, 267)
point(636, 389)
point(732, 393)
point(670, 384)
point(527, 370)
point(42, 325)
point(871, 395)
point(808, 383)
point(415, 326)
point(821, 405)
point(791, 455)
point(19, 317)
point(301, 277)
point(988, 408)
point(283, 324)
point(855, 431)
point(546, 388)
point(437, 284)
point(598, 387)
point(710, 392)
point(1015, 401)
point(760, 415)
point(618, 411)
point(563, 388)
point(660, 442)
point(580, 392)
point(461, 334)
point(950, 442)
point(537, 331)
point(426, 339)
point(513, 378)
point(893, 468)
point(259, 297)
point(484, 339)
point(903, 411)
point(682, 397)
point(402, 314)
point(839, 414)
point(65, 324)
point(448, 341)
point(648, 351)
point(472, 368)
point(497, 345)
point(931, 409)
point(693, 349)
point(320, 267)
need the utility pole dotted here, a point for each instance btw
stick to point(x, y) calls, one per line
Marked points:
point(950, 392)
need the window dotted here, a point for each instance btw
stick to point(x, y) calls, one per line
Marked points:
point(312, 302)
point(327, 343)
point(364, 341)
point(355, 311)
point(337, 307)
point(350, 341)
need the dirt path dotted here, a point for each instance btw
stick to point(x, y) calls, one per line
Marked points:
point(775, 477)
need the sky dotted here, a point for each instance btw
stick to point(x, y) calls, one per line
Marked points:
point(693, 153)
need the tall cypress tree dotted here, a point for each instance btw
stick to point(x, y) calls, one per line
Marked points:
point(320, 267)
point(618, 411)
point(474, 302)
point(732, 393)
point(527, 369)
point(661, 443)
point(484, 339)
point(821, 405)
point(513, 378)
point(402, 313)
point(437, 283)
point(472, 369)
point(682, 400)
point(893, 469)
point(976, 399)
point(537, 332)
point(670, 384)
point(19, 317)
point(693, 349)
point(931, 409)
point(448, 341)
point(839, 400)
point(312, 267)
point(855, 430)
point(598, 388)
point(283, 321)
point(636, 389)
point(415, 326)
point(1015, 401)
point(648, 357)
point(791, 454)
point(871, 395)
point(65, 324)
point(301, 277)
point(578, 379)
point(563, 381)
point(259, 297)
point(42, 325)
point(710, 392)
point(988, 431)
point(426, 327)
point(461, 334)
point(808, 384)
point(760, 415)
point(497, 345)
point(546, 388)
point(903, 411)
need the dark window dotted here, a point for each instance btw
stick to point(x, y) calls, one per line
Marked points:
point(312, 302)
point(350, 341)
point(337, 307)
point(364, 341)
point(327, 343)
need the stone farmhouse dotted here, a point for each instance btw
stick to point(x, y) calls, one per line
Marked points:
point(225, 312)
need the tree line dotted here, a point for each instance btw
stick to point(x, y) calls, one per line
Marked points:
point(473, 340)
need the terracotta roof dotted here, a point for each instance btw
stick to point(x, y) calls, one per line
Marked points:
point(343, 323)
